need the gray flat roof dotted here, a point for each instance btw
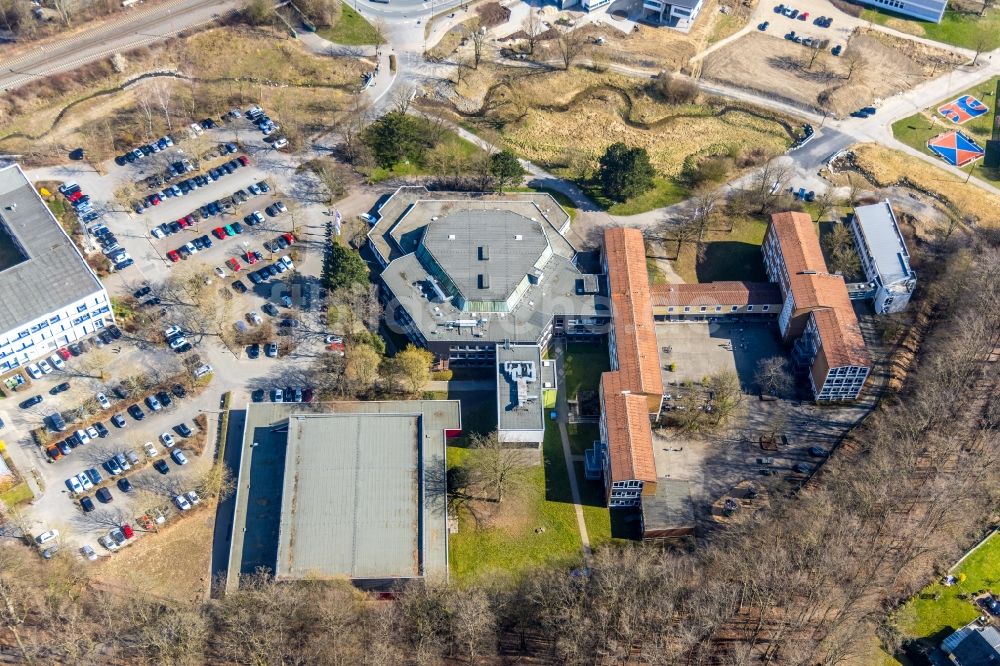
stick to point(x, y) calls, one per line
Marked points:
point(671, 507)
point(527, 411)
point(878, 225)
point(54, 274)
point(352, 497)
point(556, 294)
point(499, 245)
point(377, 513)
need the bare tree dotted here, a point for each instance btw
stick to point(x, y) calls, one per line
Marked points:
point(570, 44)
point(495, 465)
point(477, 36)
point(773, 376)
point(765, 186)
point(533, 29)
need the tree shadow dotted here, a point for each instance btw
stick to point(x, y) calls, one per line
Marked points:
point(730, 260)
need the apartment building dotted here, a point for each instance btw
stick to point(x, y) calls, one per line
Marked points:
point(884, 256)
point(925, 10)
point(49, 296)
point(816, 317)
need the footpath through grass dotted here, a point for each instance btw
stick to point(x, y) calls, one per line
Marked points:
point(351, 29)
point(969, 31)
point(938, 610)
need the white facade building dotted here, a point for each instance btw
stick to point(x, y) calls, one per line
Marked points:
point(49, 296)
point(675, 13)
point(884, 256)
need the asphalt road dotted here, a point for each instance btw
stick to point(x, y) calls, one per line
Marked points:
point(143, 25)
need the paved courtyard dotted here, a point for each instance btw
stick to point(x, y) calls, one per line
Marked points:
point(701, 349)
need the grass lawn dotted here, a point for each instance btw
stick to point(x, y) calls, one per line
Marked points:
point(955, 28)
point(727, 255)
point(538, 526)
point(664, 193)
point(581, 436)
point(351, 29)
point(927, 617)
point(917, 129)
point(406, 169)
point(16, 495)
point(583, 364)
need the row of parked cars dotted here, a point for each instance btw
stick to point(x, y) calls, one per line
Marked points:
point(265, 273)
point(190, 184)
point(97, 430)
point(144, 150)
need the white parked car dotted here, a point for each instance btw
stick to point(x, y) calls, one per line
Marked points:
point(74, 486)
point(280, 143)
point(44, 366)
point(182, 503)
point(196, 128)
point(203, 370)
point(45, 537)
point(85, 481)
point(193, 497)
point(83, 436)
point(88, 552)
point(178, 342)
point(103, 401)
point(287, 262)
point(179, 457)
point(221, 273)
point(150, 449)
point(167, 439)
point(92, 433)
point(33, 371)
point(108, 542)
point(155, 232)
point(57, 362)
point(254, 318)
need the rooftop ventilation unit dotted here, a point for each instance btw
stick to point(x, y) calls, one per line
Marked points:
point(451, 236)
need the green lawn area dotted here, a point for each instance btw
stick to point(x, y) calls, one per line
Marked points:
point(16, 495)
point(405, 169)
point(957, 28)
point(927, 617)
point(728, 255)
point(539, 526)
point(664, 193)
point(915, 130)
point(583, 364)
point(351, 29)
point(581, 436)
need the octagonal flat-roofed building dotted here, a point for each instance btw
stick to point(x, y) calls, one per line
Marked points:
point(464, 272)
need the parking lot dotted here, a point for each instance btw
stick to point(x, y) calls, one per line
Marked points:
point(292, 294)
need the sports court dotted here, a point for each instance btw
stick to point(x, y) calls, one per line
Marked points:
point(963, 109)
point(955, 148)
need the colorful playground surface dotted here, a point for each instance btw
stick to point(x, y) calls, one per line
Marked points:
point(955, 148)
point(963, 109)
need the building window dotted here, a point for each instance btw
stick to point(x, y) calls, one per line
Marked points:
point(718, 308)
point(82, 308)
point(749, 308)
point(687, 309)
point(735, 308)
point(765, 308)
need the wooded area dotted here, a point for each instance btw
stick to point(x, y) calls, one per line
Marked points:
point(809, 582)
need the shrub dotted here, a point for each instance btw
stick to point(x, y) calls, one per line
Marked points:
point(673, 89)
point(442, 375)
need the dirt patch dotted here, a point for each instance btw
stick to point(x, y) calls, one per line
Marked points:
point(492, 14)
point(174, 562)
point(889, 167)
point(873, 66)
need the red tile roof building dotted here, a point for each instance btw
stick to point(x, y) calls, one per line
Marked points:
point(817, 315)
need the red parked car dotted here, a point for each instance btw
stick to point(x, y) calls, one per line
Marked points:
point(127, 531)
point(290, 238)
point(184, 223)
point(173, 256)
point(76, 195)
point(219, 233)
point(189, 219)
point(244, 160)
point(234, 265)
point(64, 353)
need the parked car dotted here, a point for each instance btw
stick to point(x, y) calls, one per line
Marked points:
point(30, 402)
point(167, 439)
point(124, 485)
point(88, 551)
point(183, 430)
point(104, 496)
point(179, 457)
point(103, 401)
point(119, 421)
point(94, 475)
point(161, 466)
point(135, 411)
point(182, 502)
point(74, 485)
point(87, 504)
